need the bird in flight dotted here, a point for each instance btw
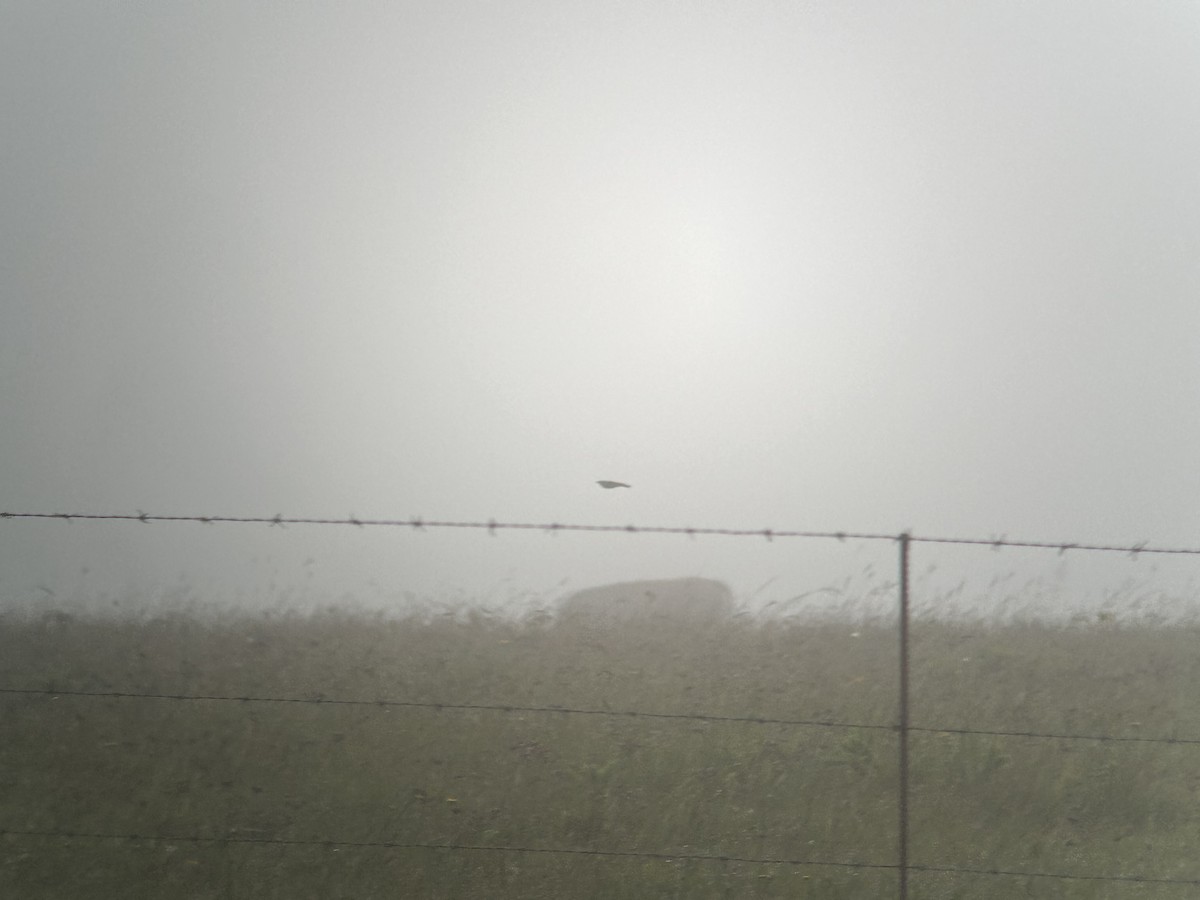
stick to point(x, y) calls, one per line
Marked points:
point(609, 485)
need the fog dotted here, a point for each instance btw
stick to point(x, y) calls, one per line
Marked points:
point(824, 266)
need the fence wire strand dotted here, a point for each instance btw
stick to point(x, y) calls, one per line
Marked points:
point(579, 711)
point(573, 851)
point(409, 845)
point(492, 526)
point(465, 707)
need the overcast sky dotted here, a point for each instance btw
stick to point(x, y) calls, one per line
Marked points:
point(823, 265)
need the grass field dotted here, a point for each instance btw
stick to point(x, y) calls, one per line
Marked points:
point(250, 798)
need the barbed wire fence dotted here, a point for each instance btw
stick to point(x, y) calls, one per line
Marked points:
point(902, 728)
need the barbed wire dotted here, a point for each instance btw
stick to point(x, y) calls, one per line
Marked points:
point(581, 711)
point(409, 845)
point(630, 854)
point(1048, 735)
point(465, 707)
point(1014, 873)
point(492, 526)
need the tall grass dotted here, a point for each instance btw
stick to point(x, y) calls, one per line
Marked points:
point(220, 784)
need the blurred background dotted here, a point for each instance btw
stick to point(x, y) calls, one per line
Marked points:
point(828, 266)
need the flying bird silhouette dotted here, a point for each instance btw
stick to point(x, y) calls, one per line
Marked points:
point(609, 485)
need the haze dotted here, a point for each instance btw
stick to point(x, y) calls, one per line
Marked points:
point(830, 266)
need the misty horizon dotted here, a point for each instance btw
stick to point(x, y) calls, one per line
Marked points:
point(812, 268)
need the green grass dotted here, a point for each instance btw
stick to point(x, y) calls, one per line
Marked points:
point(259, 772)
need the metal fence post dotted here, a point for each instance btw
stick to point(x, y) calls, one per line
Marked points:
point(902, 728)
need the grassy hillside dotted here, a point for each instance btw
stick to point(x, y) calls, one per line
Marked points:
point(248, 798)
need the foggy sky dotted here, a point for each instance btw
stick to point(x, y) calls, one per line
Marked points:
point(836, 266)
